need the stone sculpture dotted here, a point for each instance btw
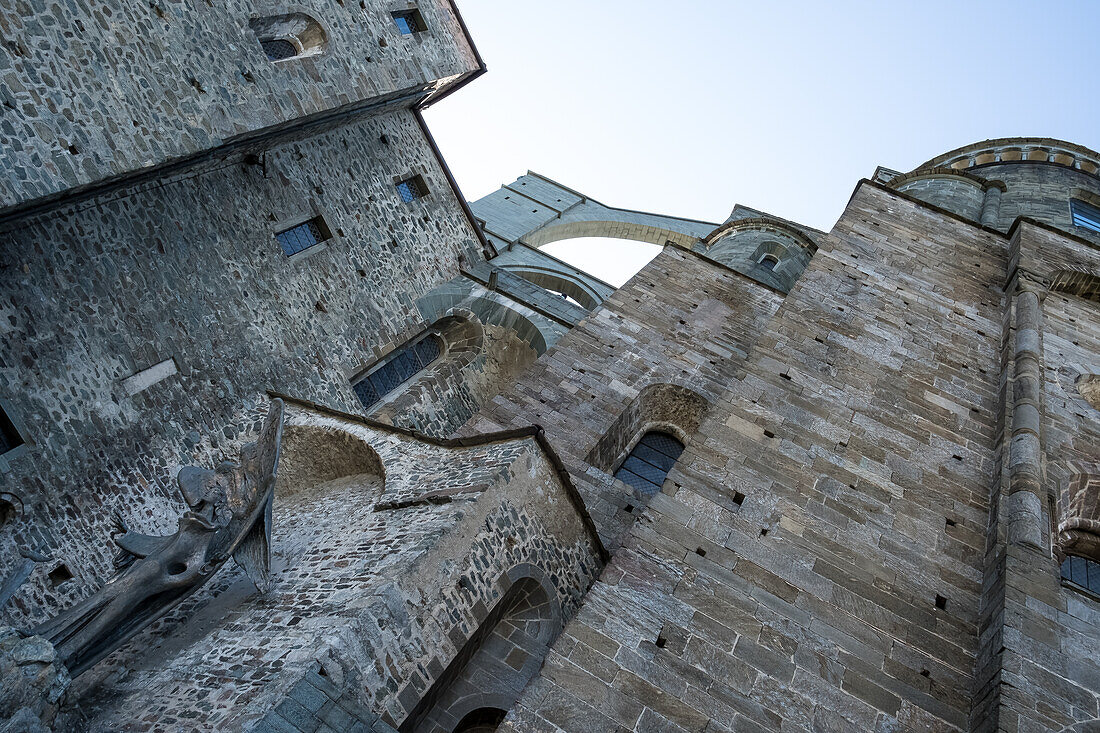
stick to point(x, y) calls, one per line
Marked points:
point(229, 516)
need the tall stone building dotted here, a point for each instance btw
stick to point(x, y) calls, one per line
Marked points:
point(783, 479)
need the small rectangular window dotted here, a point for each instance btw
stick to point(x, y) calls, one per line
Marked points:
point(1085, 215)
point(409, 21)
point(303, 236)
point(412, 188)
point(9, 436)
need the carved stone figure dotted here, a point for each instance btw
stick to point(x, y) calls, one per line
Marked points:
point(230, 515)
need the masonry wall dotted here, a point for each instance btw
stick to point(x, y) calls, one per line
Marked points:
point(862, 420)
point(92, 91)
point(374, 587)
point(681, 321)
point(1040, 191)
point(190, 272)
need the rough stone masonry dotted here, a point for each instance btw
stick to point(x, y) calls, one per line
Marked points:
point(782, 480)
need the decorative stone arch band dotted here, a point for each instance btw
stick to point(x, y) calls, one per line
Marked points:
point(1019, 150)
point(760, 223)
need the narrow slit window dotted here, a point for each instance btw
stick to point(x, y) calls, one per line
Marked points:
point(1082, 572)
point(9, 436)
point(768, 262)
point(1085, 215)
point(409, 21)
point(303, 236)
point(398, 368)
point(412, 188)
point(649, 462)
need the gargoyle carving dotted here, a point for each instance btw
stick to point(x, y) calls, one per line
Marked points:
point(229, 516)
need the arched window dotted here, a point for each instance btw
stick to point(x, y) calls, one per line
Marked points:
point(400, 366)
point(289, 36)
point(1083, 572)
point(768, 262)
point(650, 461)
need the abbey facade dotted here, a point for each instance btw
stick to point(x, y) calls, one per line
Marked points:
point(783, 479)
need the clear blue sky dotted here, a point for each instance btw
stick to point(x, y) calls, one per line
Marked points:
point(688, 108)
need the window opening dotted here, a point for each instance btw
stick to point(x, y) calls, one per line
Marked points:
point(409, 21)
point(1082, 572)
point(412, 188)
point(768, 262)
point(303, 236)
point(278, 49)
point(398, 368)
point(9, 436)
point(1085, 215)
point(649, 462)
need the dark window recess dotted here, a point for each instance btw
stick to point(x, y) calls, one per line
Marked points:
point(409, 21)
point(278, 49)
point(1083, 572)
point(1085, 215)
point(649, 463)
point(303, 236)
point(768, 262)
point(412, 188)
point(9, 436)
point(398, 368)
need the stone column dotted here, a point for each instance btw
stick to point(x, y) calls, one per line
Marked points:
point(991, 206)
point(1024, 506)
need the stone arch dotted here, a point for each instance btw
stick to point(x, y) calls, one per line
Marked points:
point(637, 232)
point(490, 309)
point(561, 282)
point(499, 658)
point(760, 223)
point(1079, 514)
point(299, 33)
point(942, 172)
point(658, 407)
point(314, 454)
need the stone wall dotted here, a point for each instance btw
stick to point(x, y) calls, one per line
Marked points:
point(92, 91)
point(189, 273)
point(376, 587)
point(682, 321)
point(818, 561)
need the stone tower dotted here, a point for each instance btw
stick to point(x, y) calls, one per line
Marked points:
point(783, 479)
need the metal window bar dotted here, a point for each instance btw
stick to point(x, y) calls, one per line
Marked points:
point(400, 367)
point(1083, 572)
point(649, 462)
point(409, 21)
point(1085, 215)
point(411, 189)
point(301, 237)
point(278, 49)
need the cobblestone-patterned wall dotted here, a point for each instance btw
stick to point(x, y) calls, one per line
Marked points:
point(190, 272)
point(92, 91)
point(682, 321)
point(375, 588)
point(843, 592)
